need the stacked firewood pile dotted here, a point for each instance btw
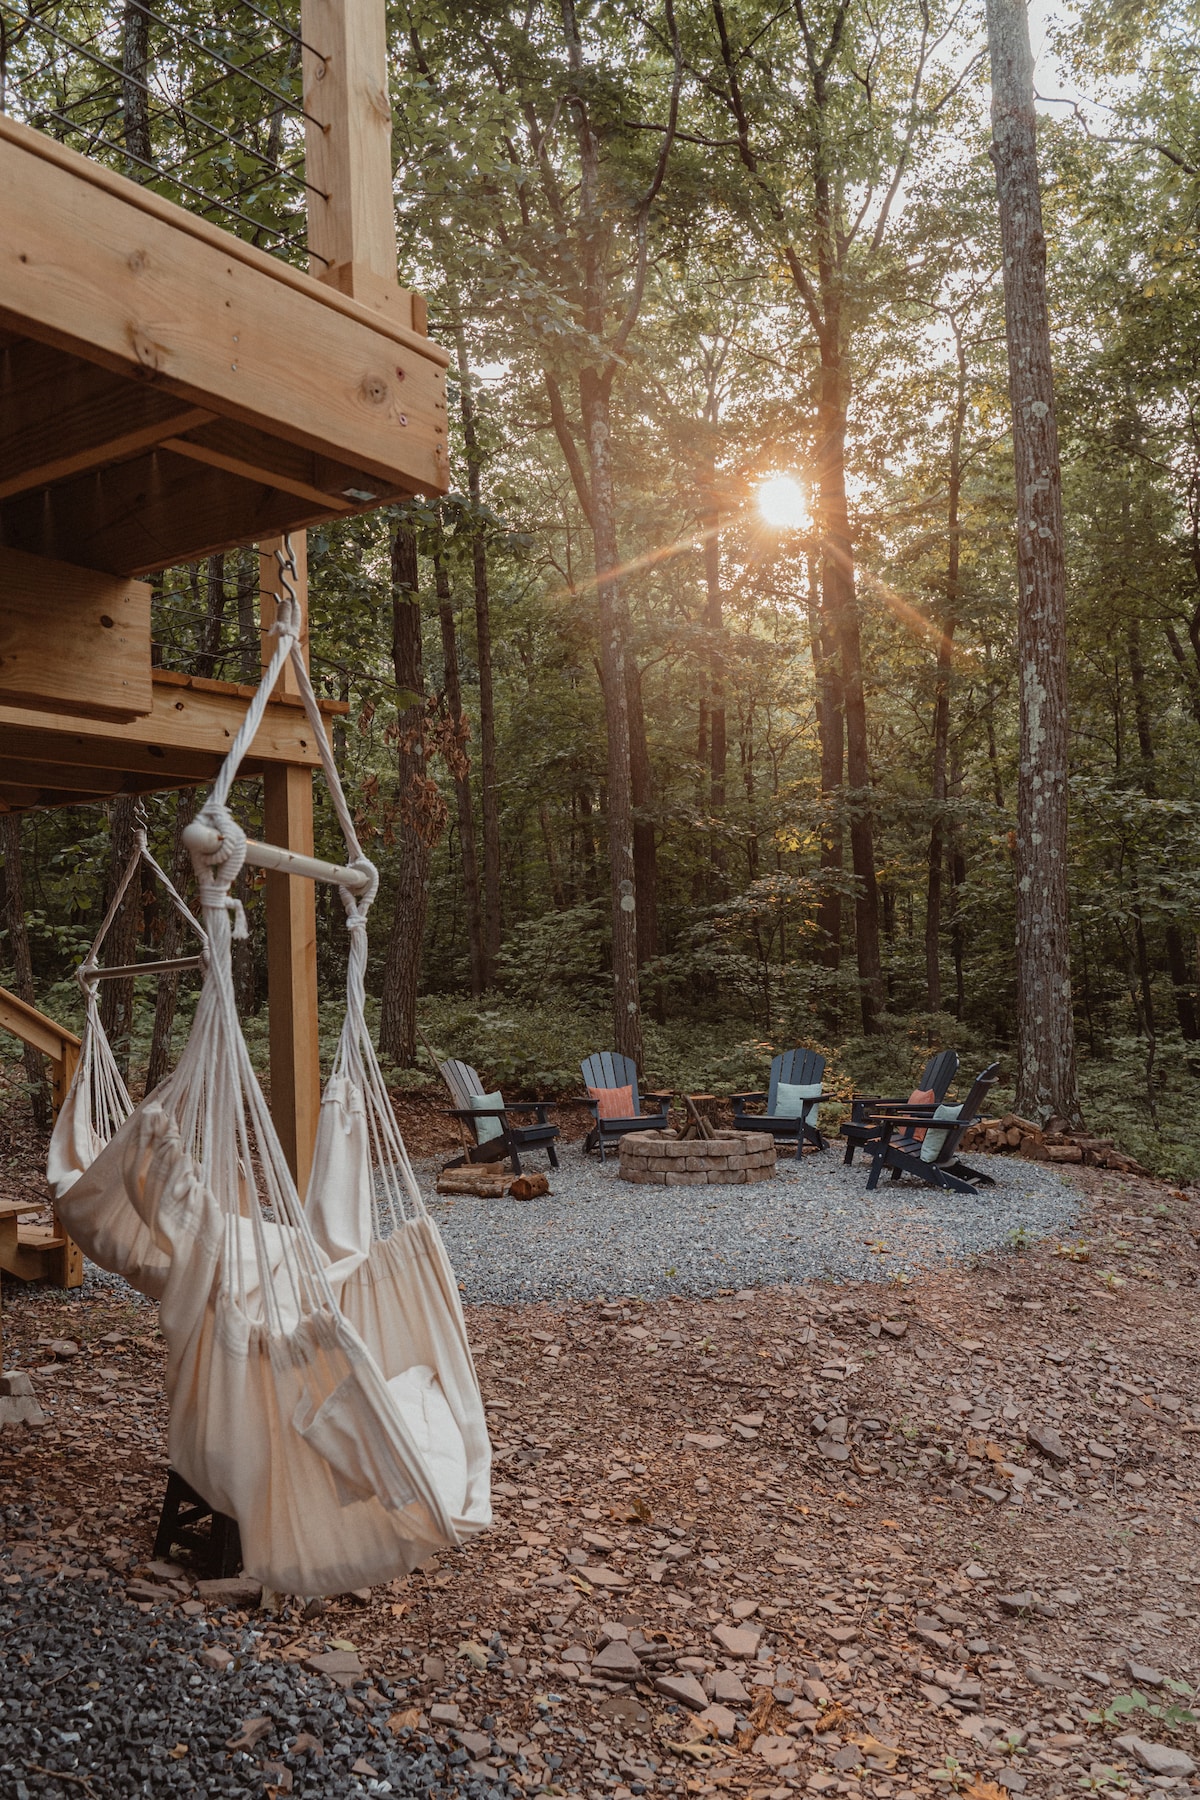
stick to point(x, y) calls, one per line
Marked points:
point(1053, 1142)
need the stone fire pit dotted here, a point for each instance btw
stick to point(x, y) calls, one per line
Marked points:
point(667, 1159)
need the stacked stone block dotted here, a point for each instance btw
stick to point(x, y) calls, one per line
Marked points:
point(665, 1159)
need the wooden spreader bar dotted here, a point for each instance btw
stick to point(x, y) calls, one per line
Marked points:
point(207, 841)
point(110, 972)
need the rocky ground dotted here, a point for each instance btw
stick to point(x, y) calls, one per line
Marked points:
point(934, 1536)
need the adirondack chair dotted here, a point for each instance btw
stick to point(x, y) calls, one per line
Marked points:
point(795, 1068)
point(462, 1081)
point(866, 1110)
point(608, 1070)
point(937, 1165)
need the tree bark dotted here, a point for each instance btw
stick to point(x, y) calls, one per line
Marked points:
point(116, 997)
point(1185, 1005)
point(627, 1015)
point(18, 944)
point(167, 998)
point(135, 77)
point(718, 745)
point(831, 736)
point(214, 617)
point(417, 825)
point(489, 796)
point(941, 703)
point(840, 603)
point(645, 849)
point(1046, 1076)
point(461, 772)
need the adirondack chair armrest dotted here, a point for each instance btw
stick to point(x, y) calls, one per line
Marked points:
point(540, 1107)
point(739, 1100)
point(476, 1112)
point(914, 1117)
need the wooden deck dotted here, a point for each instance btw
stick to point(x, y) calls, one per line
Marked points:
point(168, 391)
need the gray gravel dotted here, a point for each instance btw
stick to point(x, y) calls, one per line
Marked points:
point(97, 1694)
point(596, 1235)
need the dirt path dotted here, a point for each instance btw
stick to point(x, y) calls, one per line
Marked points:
point(907, 1537)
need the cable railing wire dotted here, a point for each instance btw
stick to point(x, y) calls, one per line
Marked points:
point(81, 84)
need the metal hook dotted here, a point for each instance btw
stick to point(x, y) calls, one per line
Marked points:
point(286, 558)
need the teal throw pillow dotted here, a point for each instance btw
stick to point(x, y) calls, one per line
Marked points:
point(487, 1129)
point(931, 1148)
point(790, 1098)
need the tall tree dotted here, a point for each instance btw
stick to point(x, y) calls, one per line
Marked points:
point(420, 811)
point(489, 778)
point(810, 127)
point(18, 945)
point(1046, 1076)
point(458, 736)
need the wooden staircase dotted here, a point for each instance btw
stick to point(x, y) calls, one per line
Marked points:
point(37, 1251)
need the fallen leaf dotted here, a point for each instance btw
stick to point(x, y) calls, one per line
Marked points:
point(475, 1654)
point(177, 1752)
point(343, 1644)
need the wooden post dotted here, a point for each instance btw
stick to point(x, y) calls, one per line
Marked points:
point(291, 910)
point(348, 155)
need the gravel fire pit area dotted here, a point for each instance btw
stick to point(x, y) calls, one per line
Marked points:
point(728, 1158)
point(596, 1235)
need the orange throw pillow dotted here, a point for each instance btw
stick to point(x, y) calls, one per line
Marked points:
point(615, 1103)
point(921, 1097)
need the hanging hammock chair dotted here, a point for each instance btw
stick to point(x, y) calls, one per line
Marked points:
point(320, 1383)
point(98, 1102)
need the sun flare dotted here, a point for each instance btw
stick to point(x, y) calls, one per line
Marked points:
point(783, 503)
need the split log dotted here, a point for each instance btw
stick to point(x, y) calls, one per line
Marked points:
point(479, 1182)
point(529, 1187)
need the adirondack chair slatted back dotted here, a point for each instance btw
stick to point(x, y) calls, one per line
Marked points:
point(607, 1069)
point(980, 1089)
point(795, 1068)
point(462, 1081)
point(938, 1073)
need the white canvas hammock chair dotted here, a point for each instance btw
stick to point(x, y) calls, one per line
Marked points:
point(321, 1386)
point(98, 1102)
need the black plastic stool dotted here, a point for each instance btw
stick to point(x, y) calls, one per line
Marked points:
point(217, 1551)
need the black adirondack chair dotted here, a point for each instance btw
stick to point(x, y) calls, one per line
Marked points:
point(945, 1170)
point(866, 1110)
point(608, 1070)
point(462, 1081)
point(795, 1068)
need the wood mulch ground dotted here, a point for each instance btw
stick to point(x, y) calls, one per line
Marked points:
point(911, 1538)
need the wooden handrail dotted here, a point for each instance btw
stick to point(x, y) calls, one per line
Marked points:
point(33, 1027)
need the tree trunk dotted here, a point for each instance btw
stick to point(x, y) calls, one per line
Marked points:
point(958, 876)
point(1046, 1078)
point(1185, 1005)
point(247, 608)
point(214, 617)
point(840, 602)
point(627, 1015)
point(941, 703)
point(116, 997)
point(645, 850)
point(831, 735)
point(416, 829)
point(18, 944)
point(135, 78)
point(489, 796)
point(461, 771)
point(173, 941)
point(714, 620)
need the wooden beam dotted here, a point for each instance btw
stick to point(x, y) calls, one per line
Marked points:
point(254, 461)
point(291, 914)
point(157, 510)
point(84, 267)
point(144, 199)
point(186, 733)
point(60, 416)
point(73, 639)
point(348, 152)
point(33, 1027)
